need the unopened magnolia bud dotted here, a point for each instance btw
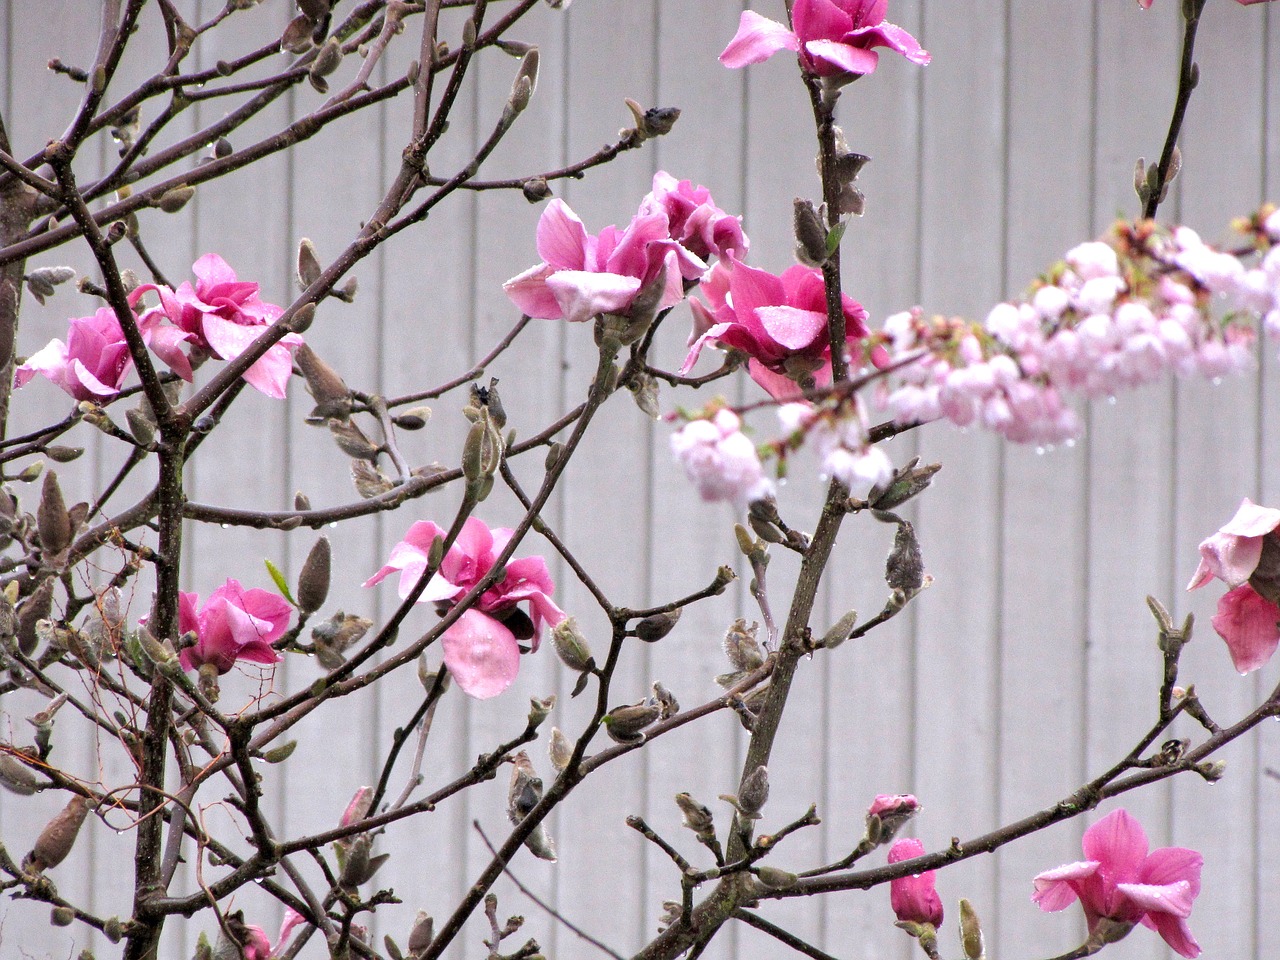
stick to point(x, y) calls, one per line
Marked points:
point(141, 427)
point(535, 189)
point(904, 570)
point(53, 523)
point(58, 836)
point(539, 710)
point(323, 382)
point(811, 234)
point(970, 932)
point(37, 607)
point(526, 81)
point(302, 318)
point(16, 776)
point(753, 794)
point(158, 653)
point(309, 268)
point(776, 879)
point(420, 935)
point(1212, 770)
point(839, 633)
point(313, 581)
point(560, 749)
point(62, 916)
point(328, 59)
point(571, 646)
point(654, 628)
point(697, 816)
point(907, 482)
point(281, 753)
point(173, 200)
point(887, 814)
point(625, 724)
point(414, 419)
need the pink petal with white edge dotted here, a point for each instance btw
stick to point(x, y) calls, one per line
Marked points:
point(1252, 520)
point(582, 295)
point(1054, 889)
point(841, 57)
point(895, 38)
point(482, 654)
point(758, 38)
point(1175, 898)
point(1232, 559)
point(1247, 622)
point(792, 328)
point(529, 292)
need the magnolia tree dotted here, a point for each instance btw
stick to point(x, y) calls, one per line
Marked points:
point(99, 634)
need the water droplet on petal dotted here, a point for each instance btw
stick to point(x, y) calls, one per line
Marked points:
point(224, 525)
point(1111, 400)
point(1039, 451)
point(1216, 381)
point(333, 523)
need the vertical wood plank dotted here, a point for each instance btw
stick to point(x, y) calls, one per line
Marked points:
point(958, 622)
point(1048, 174)
point(1216, 434)
point(1130, 473)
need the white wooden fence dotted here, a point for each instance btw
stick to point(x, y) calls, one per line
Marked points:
point(1028, 666)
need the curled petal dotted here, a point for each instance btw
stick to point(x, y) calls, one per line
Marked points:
point(841, 58)
point(758, 38)
point(582, 295)
point(1175, 898)
point(1056, 889)
point(562, 238)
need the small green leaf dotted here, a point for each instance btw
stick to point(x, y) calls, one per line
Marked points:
point(281, 583)
point(835, 235)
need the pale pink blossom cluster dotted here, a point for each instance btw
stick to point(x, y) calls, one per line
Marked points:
point(1116, 315)
point(721, 460)
point(840, 440)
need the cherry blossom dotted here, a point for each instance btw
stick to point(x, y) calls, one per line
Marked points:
point(721, 461)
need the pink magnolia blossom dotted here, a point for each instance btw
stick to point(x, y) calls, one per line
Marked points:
point(915, 898)
point(892, 810)
point(721, 461)
point(292, 918)
point(834, 38)
point(482, 647)
point(583, 275)
point(1246, 619)
point(694, 221)
point(224, 315)
point(1120, 881)
point(92, 364)
point(779, 322)
point(233, 624)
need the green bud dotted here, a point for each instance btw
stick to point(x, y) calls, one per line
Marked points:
point(776, 879)
point(571, 646)
point(970, 932)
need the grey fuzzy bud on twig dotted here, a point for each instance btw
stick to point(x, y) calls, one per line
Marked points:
point(752, 795)
point(58, 836)
point(625, 724)
point(654, 628)
point(313, 581)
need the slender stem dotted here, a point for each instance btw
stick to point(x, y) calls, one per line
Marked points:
point(1188, 76)
point(783, 936)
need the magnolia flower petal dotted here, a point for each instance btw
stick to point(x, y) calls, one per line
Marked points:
point(582, 295)
point(562, 237)
point(793, 328)
point(712, 334)
point(758, 38)
point(1118, 841)
point(1252, 520)
point(1171, 865)
point(529, 292)
point(1056, 889)
point(1232, 559)
point(212, 270)
point(892, 36)
point(270, 373)
point(1175, 932)
point(1248, 624)
point(841, 57)
point(481, 654)
point(777, 385)
point(1175, 898)
point(822, 19)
